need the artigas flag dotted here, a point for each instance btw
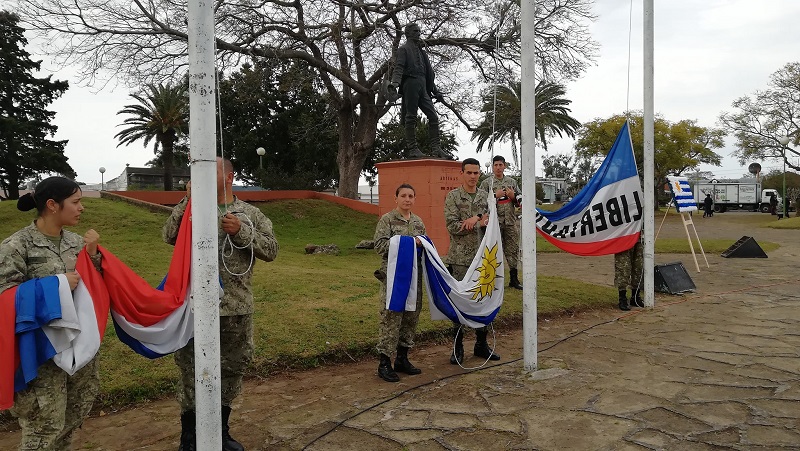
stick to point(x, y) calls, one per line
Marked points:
point(605, 217)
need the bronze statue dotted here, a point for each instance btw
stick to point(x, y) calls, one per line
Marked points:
point(413, 75)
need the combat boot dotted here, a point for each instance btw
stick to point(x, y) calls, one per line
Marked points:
point(385, 370)
point(482, 348)
point(410, 130)
point(513, 279)
point(458, 353)
point(188, 435)
point(228, 443)
point(636, 298)
point(623, 300)
point(402, 364)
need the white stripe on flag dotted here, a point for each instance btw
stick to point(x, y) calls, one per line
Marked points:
point(85, 345)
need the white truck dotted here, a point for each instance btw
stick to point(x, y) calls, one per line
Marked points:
point(732, 196)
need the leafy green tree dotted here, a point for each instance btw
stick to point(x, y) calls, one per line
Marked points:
point(162, 116)
point(350, 45)
point(585, 167)
point(279, 106)
point(558, 166)
point(679, 146)
point(502, 117)
point(389, 144)
point(760, 120)
point(25, 148)
point(180, 155)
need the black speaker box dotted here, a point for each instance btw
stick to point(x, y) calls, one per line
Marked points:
point(672, 278)
point(745, 247)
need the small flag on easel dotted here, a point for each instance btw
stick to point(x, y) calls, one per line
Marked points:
point(682, 193)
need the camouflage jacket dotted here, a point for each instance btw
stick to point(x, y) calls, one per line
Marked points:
point(506, 213)
point(391, 224)
point(238, 298)
point(29, 254)
point(458, 206)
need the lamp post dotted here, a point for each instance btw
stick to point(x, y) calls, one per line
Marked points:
point(371, 185)
point(784, 140)
point(102, 180)
point(261, 151)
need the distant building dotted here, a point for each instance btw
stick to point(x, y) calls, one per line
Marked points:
point(143, 179)
point(555, 189)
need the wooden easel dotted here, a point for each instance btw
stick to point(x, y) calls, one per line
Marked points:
point(686, 218)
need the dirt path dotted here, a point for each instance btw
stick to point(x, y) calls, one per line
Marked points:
point(715, 369)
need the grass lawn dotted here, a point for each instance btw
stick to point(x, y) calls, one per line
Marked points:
point(310, 309)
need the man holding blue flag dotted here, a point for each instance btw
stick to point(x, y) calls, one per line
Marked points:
point(465, 213)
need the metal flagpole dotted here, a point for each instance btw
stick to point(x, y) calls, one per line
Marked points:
point(530, 345)
point(205, 255)
point(649, 154)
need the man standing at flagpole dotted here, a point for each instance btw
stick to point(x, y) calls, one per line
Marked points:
point(507, 192)
point(244, 234)
point(465, 212)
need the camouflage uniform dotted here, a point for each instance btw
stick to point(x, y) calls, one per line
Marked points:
point(54, 404)
point(628, 267)
point(507, 215)
point(458, 206)
point(396, 328)
point(236, 308)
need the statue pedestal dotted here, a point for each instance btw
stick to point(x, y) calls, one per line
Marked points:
point(432, 180)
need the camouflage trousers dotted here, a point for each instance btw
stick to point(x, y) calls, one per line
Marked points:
point(397, 328)
point(54, 405)
point(236, 353)
point(628, 268)
point(459, 271)
point(509, 234)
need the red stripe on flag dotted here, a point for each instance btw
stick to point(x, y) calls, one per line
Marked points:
point(138, 302)
point(9, 355)
point(96, 287)
point(594, 249)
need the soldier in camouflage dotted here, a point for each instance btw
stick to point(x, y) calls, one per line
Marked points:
point(54, 404)
point(465, 212)
point(251, 234)
point(397, 329)
point(507, 192)
point(628, 266)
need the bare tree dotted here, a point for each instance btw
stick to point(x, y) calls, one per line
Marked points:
point(762, 119)
point(350, 43)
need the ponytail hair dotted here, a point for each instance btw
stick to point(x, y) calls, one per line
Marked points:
point(56, 188)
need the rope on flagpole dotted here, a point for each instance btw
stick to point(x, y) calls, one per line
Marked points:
point(228, 241)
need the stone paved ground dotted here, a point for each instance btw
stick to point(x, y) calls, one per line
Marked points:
point(718, 369)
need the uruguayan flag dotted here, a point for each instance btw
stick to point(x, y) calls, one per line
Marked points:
point(682, 193)
point(401, 274)
point(475, 300)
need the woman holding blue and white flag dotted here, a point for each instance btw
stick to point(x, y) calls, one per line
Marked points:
point(49, 402)
point(396, 241)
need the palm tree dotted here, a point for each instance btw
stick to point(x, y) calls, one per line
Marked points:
point(161, 114)
point(552, 115)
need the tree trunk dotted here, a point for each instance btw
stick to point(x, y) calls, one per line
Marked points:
point(356, 140)
point(12, 183)
point(167, 145)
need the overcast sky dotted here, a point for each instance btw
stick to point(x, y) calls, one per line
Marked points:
point(707, 54)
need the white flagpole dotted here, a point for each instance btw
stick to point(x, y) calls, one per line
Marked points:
point(205, 255)
point(530, 345)
point(649, 154)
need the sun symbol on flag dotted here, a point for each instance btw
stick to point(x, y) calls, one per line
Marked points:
point(487, 274)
